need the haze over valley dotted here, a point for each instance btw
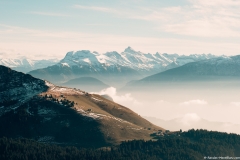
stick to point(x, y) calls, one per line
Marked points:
point(179, 91)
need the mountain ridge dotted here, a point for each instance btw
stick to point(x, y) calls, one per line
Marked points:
point(25, 65)
point(56, 114)
point(127, 65)
point(216, 69)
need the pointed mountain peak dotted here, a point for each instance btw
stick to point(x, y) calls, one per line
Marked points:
point(130, 50)
point(81, 53)
point(113, 53)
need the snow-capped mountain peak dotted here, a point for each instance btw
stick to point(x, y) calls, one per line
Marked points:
point(130, 58)
point(80, 57)
point(130, 50)
point(24, 64)
point(112, 66)
point(81, 54)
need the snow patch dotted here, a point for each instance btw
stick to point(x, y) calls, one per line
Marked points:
point(96, 99)
point(49, 84)
point(99, 116)
point(65, 64)
point(65, 90)
point(87, 60)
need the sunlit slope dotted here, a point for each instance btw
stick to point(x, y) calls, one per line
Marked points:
point(40, 110)
point(117, 122)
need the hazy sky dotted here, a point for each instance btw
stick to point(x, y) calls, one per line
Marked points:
point(53, 27)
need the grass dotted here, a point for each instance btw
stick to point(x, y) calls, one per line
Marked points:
point(116, 122)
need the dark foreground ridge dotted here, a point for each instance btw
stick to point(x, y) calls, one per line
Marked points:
point(36, 109)
point(194, 144)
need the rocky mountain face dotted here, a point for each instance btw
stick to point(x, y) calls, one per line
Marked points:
point(121, 67)
point(39, 110)
point(16, 88)
point(25, 65)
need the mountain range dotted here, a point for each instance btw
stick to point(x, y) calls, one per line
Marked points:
point(113, 67)
point(25, 64)
point(37, 109)
point(216, 72)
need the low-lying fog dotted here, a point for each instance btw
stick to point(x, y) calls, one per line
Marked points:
point(175, 109)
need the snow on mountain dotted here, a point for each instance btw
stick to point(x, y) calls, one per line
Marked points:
point(141, 62)
point(16, 88)
point(113, 68)
point(26, 65)
point(211, 72)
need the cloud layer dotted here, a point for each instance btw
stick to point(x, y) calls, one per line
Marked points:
point(194, 102)
point(122, 99)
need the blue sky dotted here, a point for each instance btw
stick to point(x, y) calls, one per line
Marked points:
point(50, 28)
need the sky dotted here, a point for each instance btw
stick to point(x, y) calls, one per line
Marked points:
point(51, 28)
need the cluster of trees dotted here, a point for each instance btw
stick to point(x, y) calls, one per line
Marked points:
point(62, 101)
point(6, 103)
point(40, 117)
point(194, 144)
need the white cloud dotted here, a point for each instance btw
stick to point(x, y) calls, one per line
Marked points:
point(194, 102)
point(55, 43)
point(200, 18)
point(122, 99)
point(223, 3)
point(96, 8)
point(214, 27)
point(190, 114)
point(49, 14)
point(161, 102)
point(189, 119)
point(235, 103)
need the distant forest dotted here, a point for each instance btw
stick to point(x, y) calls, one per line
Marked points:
point(190, 145)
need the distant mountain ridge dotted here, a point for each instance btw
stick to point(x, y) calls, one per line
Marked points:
point(221, 66)
point(25, 64)
point(130, 58)
point(220, 71)
point(113, 66)
point(88, 84)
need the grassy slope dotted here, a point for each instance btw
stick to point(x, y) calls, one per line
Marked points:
point(117, 122)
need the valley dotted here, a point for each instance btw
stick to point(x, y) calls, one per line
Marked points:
point(119, 80)
point(83, 111)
